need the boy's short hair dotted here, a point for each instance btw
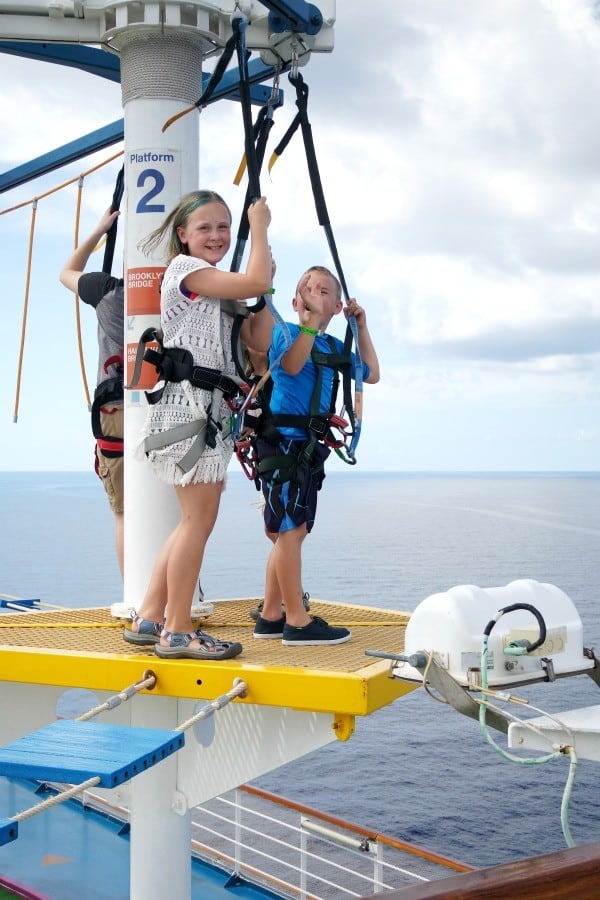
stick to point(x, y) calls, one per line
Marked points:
point(324, 271)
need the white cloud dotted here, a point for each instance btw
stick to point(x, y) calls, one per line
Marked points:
point(459, 147)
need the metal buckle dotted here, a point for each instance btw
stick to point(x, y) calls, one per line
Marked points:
point(318, 425)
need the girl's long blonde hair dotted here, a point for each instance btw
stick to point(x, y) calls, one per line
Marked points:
point(178, 218)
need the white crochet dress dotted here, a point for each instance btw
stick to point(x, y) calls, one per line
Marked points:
point(202, 326)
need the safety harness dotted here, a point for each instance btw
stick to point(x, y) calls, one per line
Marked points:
point(320, 427)
point(110, 390)
point(174, 364)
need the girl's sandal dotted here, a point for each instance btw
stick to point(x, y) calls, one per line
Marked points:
point(147, 632)
point(178, 646)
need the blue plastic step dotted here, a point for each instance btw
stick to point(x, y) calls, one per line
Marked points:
point(73, 751)
point(9, 831)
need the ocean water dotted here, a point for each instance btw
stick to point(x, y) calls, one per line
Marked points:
point(416, 770)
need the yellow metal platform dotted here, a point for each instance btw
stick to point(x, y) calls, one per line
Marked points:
point(84, 648)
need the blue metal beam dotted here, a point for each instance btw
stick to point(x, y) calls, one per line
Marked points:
point(285, 15)
point(112, 134)
point(62, 156)
point(78, 56)
point(294, 15)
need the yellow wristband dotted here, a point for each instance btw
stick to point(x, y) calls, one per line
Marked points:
point(306, 330)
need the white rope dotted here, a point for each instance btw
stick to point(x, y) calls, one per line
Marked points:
point(239, 689)
point(58, 798)
point(126, 694)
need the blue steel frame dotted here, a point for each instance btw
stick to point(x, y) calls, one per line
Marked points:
point(285, 15)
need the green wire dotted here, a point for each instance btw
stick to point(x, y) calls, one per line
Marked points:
point(529, 761)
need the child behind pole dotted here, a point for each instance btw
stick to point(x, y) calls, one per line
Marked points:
point(292, 467)
point(105, 294)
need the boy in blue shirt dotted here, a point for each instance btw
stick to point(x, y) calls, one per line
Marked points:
point(292, 462)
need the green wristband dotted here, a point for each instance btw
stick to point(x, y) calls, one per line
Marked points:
point(306, 330)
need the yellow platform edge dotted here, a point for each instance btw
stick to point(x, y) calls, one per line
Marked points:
point(341, 679)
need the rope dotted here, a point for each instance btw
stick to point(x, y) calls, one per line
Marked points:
point(239, 689)
point(34, 204)
point(61, 186)
point(58, 798)
point(86, 389)
point(25, 308)
point(147, 683)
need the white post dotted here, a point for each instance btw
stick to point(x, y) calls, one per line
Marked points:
point(161, 74)
point(160, 863)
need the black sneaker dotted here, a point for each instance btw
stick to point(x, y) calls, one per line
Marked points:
point(315, 633)
point(255, 613)
point(267, 629)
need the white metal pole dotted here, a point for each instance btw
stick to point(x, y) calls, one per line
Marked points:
point(160, 839)
point(161, 74)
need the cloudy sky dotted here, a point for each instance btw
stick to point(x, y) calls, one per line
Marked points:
point(459, 146)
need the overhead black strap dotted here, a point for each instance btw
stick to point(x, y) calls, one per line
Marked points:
point(255, 141)
point(218, 71)
point(239, 25)
point(313, 171)
point(111, 234)
point(260, 131)
point(353, 409)
point(212, 83)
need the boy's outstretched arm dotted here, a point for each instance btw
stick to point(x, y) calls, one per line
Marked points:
point(365, 344)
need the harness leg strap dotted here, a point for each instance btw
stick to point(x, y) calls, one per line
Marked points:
point(162, 439)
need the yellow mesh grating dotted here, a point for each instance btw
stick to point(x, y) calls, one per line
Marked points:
point(95, 631)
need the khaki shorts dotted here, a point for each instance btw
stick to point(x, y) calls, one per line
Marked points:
point(110, 469)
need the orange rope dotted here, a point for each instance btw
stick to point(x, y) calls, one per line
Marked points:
point(77, 302)
point(63, 185)
point(25, 307)
point(34, 202)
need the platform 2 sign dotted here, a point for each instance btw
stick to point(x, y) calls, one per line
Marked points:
point(154, 187)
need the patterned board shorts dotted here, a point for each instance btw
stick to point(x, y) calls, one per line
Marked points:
point(290, 504)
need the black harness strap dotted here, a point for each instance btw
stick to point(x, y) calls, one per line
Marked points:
point(316, 423)
point(175, 364)
point(108, 391)
point(302, 121)
point(111, 234)
point(255, 143)
point(111, 389)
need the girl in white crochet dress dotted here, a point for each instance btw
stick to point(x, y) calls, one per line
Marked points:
point(194, 318)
